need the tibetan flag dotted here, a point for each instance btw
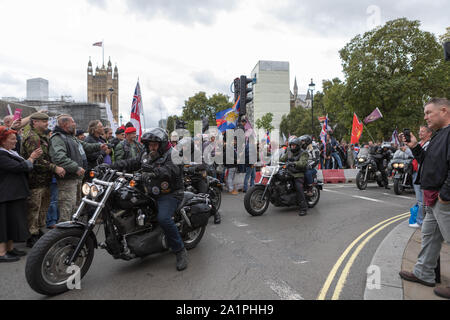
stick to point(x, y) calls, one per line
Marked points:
point(98, 44)
point(136, 110)
point(357, 129)
point(268, 137)
point(375, 115)
point(227, 119)
point(394, 138)
point(323, 134)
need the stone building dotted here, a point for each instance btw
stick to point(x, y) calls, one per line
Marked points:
point(299, 99)
point(104, 85)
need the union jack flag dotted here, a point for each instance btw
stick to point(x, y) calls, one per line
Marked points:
point(136, 108)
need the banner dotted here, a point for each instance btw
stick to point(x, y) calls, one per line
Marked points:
point(227, 119)
point(136, 109)
point(375, 115)
point(357, 129)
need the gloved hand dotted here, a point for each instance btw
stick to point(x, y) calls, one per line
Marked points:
point(147, 168)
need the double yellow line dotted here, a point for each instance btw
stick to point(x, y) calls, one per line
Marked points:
point(332, 275)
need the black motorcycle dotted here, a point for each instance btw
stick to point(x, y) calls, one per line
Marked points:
point(402, 170)
point(127, 208)
point(368, 172)
point(279, 190)
point(197, 180)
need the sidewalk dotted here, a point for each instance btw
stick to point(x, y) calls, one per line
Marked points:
point(399, 251)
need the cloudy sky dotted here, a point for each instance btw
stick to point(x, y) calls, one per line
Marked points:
point(180, 47)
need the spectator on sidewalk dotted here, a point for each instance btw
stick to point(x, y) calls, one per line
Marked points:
point(129, 148)
point(425, 134)
point(69, 153)
point(14, 191)
point(96, 133)
point(434, 179)
point(40, 178)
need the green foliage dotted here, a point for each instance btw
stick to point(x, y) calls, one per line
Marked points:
point(395, 67)
point(265, 122)
point(171, 123)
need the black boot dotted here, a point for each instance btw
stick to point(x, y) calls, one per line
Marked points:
point(303, 211)
point(181, 259)
point(217, 218)
point(32, 240)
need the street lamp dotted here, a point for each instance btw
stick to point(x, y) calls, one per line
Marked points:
point(111, 92)
point(312, 86)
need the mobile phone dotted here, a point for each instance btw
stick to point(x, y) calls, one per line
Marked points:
point(407, 134)
point(17, 114)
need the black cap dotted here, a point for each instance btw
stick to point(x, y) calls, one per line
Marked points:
point(79, 132)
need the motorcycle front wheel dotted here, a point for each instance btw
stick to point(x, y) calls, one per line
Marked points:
point(216, 197)
point(360, 182)
point(253, 201)
point(46, 271)
point(398, 188)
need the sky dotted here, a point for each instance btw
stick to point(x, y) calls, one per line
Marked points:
point(177, 48)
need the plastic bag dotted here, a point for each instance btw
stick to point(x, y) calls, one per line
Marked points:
point(413, 217)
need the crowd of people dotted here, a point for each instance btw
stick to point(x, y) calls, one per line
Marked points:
point(42, 171)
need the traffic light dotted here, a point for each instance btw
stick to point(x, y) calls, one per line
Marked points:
point(237, 88)
point(244, 91)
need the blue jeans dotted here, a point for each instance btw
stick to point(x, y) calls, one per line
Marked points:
point(309, 176)
point(167, 205)
point(249, 173)
point(419, 198)
point(53, 211)
point(336, 156)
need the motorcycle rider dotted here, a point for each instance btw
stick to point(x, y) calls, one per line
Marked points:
point(313, 151)
point(380, 154)
point(157, 164)
point(298, 162)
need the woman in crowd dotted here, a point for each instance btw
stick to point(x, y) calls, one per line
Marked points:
point(13, 194)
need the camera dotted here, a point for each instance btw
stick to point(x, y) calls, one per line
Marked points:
point(407, 134)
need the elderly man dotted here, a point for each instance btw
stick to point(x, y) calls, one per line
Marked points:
point(434, 179)
point(40, 178)
point(96, 132)
point(129, 148)
point(70, 153)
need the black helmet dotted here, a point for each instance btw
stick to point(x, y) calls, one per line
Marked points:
point(305, 140)
point(297, 142)
point(156, 135)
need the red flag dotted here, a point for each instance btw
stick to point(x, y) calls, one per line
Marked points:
point(136, 108)
point(356, 130)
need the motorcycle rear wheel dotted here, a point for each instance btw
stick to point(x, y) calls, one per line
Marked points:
point(191, 239)
point(312, 201)
point(253, 202)
point(45, 270)
point(216, 197)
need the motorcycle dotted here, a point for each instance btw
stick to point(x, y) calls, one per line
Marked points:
point(368, 172)
point(128, 212)
point(402, 170)
point(197, 180)
point(278, 190)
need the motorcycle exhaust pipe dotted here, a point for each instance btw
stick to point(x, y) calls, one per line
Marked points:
point(186, 218)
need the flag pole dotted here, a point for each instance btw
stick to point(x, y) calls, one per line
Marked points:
point(365, 126)
point(103, 50)
point(142, 109)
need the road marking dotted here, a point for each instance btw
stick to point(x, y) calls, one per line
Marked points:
point(333, 272)
point(283, 290)
point(222, 240)
point(239, 224)
point(403, 197)
point(345, 272)
point(369, 199)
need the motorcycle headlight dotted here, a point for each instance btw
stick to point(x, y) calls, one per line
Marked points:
point(401, 165)
point(95, 191)
point(361, 160)
point(395, 165)
point(266, 171)
point(86, 189)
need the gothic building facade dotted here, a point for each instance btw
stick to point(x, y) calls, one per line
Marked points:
point(302, 100)
point(104, 86)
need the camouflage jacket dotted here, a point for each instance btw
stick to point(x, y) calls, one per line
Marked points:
point(301, 162)
point(43, 168)
point(125, 150)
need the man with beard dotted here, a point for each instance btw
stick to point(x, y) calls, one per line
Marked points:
point(69, 153)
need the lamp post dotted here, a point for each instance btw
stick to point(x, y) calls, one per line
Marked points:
point(111, 92)
point(312, 86)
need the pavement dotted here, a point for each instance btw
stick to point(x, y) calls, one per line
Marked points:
point(399, 251)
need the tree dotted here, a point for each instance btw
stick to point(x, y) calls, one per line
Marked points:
point(171, 122)
point(265, 122)
point(395, 67)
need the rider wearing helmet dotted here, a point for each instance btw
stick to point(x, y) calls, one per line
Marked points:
point(157, 163)
point(313, 159)
point(298, 162)
point(382, 155)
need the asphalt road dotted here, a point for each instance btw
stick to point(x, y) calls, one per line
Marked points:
point(278, 255)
